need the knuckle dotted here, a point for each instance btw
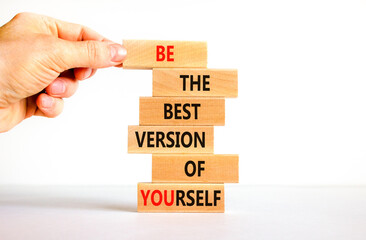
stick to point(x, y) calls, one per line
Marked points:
point(56, 51)
point(92, 51)
point(82, 32)
point(22, 15)
point(19, 15)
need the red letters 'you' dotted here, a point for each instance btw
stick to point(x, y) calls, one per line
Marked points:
point(159, 196)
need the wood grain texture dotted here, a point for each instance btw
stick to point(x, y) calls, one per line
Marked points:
point(170, 82)
point(192, 111)
point(142, 54)
point(173, 139)
point(158, 197)
point(214, 168)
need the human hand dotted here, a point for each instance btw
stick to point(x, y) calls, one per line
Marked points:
point(41, 61)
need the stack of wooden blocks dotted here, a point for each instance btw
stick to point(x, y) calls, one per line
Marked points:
point(177, 127)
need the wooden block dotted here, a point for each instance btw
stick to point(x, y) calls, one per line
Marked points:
point(147, 54)
point(195, 82)
point(173, 197)
point(182, 111)
point(208, 168)
point(170, 139)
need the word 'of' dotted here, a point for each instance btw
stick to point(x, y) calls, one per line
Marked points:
point(191, 173)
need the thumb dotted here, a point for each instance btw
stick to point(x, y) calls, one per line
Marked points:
point(91, 54)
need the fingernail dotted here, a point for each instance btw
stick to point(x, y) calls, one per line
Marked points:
point(47, 101)
point(58, 87)
point(87, 73)
point(118, 53)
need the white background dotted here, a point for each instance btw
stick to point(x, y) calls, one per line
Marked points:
point(300, 118)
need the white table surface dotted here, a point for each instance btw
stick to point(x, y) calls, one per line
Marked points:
point(252, 212)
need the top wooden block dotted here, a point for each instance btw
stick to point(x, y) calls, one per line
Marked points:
point(148, 54)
